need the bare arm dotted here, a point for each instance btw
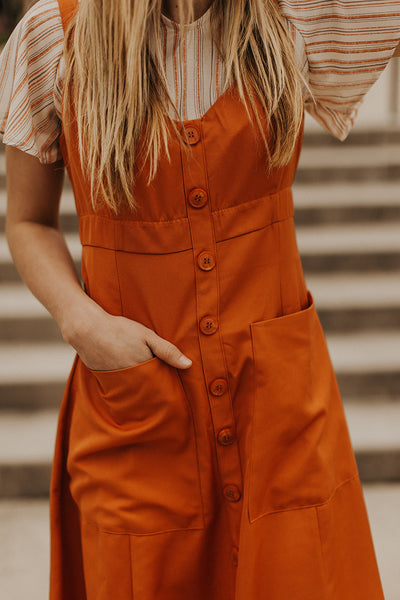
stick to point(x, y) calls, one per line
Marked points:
point(36, 243)
point(44, 262)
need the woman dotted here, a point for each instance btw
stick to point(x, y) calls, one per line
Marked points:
point(202, 449)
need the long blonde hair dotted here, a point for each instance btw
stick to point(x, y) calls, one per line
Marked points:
point(109, 39)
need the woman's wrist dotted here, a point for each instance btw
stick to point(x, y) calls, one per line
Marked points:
point(78, 319)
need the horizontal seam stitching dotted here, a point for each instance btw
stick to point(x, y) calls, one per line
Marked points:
point(136, 222)
point(245, 204)
point(133, 533)
point(231, 237)
point(315, 505)
point(85, 244)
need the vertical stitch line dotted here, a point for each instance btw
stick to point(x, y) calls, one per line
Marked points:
point(186, 190)
point(130, 565)
point(116, 269)
point(323, 560)
point(199, 56)
point(184, 79)
point(217, 76)
point(218, 286)
point(175, 65)
point(164, 33)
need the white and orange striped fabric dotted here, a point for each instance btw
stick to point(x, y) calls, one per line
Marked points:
point(347, 43)
point(341, 45)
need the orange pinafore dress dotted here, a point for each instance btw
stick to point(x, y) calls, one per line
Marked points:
point(234, 479)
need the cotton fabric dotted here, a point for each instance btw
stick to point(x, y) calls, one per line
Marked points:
point(234, 479)
point(341, 46)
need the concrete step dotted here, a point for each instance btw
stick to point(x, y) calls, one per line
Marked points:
point(353, 237)
point(330, 163)
point(23, 318)
point(25, 550)
point(350, 247)
point(345, 302)
point(360, 135)
point(25, 461)
point(346, 203)
point(342, 155)
point(355, 302)
point(367, 364)
point(314, 205)
point(314, 135)
point(25, 467)
point(33, 376)
point(346, 163)
point(29, 363)
point(374, 430)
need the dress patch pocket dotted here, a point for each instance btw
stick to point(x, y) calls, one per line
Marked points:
point(132, 452)
point(301, 449)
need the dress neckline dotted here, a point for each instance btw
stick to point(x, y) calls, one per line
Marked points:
point(174, 24)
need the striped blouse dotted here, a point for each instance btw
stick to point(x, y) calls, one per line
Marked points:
point(342, 46)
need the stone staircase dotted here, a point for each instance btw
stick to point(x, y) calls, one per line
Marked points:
point(347, 213)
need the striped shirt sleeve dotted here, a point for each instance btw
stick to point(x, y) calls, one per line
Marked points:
point(29, 68)
point(347, 45)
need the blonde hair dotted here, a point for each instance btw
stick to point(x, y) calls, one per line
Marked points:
point(107, 39)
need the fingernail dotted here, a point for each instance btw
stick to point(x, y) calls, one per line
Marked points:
point(185, 361)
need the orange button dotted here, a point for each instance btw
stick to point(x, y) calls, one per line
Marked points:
point(208, 325)
point(218, 387)
point(206, 261)
point(235, 556)
point(198, 198)
point(226, 437)
point(232, 493)
point(193, 134)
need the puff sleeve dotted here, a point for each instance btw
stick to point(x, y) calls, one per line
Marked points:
point(30, 82)
point(346, 46)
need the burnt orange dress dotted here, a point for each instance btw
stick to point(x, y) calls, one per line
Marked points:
point(234, 479)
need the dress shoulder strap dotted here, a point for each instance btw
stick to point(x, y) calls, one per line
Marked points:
point(67, 11)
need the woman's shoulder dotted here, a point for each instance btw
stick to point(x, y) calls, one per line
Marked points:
point(346, 45)
point(40, 29)
point(29, 72)
point(43, 14)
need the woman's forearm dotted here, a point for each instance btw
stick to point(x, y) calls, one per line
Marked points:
point(44, 262)
point(37, 244)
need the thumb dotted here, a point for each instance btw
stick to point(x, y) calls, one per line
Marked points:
point(168, 352)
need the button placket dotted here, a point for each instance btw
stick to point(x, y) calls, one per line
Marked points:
point(207, 301)
point(235, 556)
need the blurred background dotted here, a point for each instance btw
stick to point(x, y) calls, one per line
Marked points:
point(347, 213)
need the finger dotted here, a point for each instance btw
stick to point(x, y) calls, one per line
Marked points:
point(168, 352)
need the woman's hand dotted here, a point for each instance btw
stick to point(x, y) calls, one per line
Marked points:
point(41, 255)
point(106, 342)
